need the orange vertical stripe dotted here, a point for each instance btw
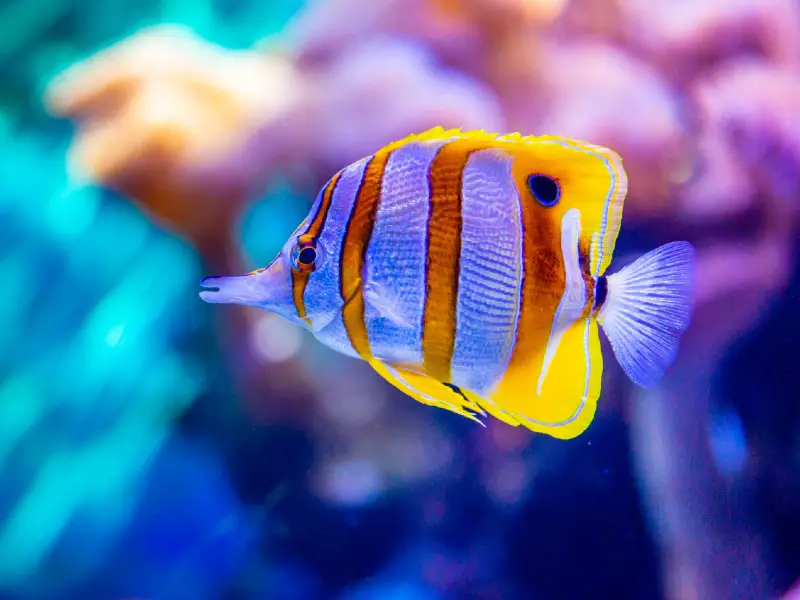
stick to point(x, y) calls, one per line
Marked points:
point(299, 283)
point(354, 250)
point(443, 256)
point(300, 279)
point(318, 222)
point(543, 283)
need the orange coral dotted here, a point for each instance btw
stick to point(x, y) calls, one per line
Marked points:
point(168, 120)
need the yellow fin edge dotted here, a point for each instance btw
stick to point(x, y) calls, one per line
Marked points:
point(427, 390)
point(439, 133)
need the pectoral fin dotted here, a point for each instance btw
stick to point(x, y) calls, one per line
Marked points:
point(386, 303)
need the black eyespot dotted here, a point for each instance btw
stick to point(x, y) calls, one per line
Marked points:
point(545, 189)
point(307, 256)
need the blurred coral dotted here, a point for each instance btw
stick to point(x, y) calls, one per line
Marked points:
point(750, 107)
point(168, 120)
point(748, 137)
point(185, 129)
point(379, 90)
point(686, 38)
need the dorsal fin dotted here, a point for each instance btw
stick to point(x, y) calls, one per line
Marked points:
point(439, 133)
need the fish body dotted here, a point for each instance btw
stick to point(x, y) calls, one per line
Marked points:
point(468, 269)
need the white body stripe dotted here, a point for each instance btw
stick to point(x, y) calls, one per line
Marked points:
point(490, 273)
point(323, 290)
point(396, 256)
point(574, 298)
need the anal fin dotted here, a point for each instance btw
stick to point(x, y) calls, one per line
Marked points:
point(564, 403)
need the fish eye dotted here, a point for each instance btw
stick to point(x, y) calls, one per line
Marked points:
point(306, 257)
point(545, 189)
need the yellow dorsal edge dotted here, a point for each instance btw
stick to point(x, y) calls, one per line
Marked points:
point(439, 133)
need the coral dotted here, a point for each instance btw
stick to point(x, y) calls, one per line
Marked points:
point(168, 120)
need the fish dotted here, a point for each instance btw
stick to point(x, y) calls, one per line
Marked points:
point(468, 269)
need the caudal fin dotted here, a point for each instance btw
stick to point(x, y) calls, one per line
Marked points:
point(648, 305)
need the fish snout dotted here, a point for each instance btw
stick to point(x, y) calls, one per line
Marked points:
point(269, 288)
point(231, 289)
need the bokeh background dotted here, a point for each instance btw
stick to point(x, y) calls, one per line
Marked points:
point(154, 447)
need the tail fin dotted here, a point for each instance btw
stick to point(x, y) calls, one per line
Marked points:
point(649, 304)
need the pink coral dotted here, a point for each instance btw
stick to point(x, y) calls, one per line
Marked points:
point(686, 37)
point(382, 90)
point(752, 106)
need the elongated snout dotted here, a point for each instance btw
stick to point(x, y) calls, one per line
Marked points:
point(230, 289)
point(267, 288)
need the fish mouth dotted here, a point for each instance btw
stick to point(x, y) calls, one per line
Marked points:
point(225, 289)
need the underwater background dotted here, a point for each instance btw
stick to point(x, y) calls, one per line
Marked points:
point(155, 447)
